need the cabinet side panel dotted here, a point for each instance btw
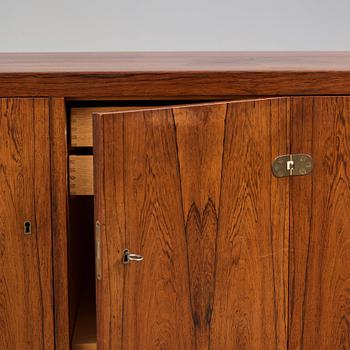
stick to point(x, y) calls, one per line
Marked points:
point(320, 226)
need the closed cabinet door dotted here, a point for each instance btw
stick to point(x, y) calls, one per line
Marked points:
point(190, 190)
point(319, 281)
point(221, 254)
point(26, 308)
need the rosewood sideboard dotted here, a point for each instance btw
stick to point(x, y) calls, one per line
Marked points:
point(177, 201)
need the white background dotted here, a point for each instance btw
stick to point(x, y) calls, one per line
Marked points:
point(144, 25)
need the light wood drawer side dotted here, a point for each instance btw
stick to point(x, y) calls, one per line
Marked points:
point(81, 123)
point(81, 175)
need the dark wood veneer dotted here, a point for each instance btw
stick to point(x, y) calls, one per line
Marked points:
point(301, 263)
point(59, 200)
point(191, 192)
point(189, 75)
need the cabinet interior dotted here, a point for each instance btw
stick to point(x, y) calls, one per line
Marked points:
point(82, 294)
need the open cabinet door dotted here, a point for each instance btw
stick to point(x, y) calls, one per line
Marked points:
point(191, 190)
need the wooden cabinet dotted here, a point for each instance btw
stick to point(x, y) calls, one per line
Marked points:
point(170, 157)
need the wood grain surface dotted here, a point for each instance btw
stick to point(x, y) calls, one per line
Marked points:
point(59, 199)
point(26, 294)
point(191, 189)
point(200, 136)
point(171, 75)
point(81, 123)
point(320, 226)
point(252, 273)
point(81, 180)
point(224, 61)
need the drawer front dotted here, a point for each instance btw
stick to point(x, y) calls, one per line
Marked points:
point(81, 175)
point(81, 123)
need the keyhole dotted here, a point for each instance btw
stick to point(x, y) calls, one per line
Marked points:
point(27, 228)
point(126, 256)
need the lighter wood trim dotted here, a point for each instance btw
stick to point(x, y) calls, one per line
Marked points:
point(81, 175)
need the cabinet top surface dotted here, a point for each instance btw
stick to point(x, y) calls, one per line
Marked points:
point(174, 75)
point(174, 62)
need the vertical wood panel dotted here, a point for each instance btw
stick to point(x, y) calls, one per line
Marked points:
point(200, 135)
point(320, 234)
point(249, 311)
point(155, 228)
point(300, 219)
point(59, 192)
point(109, 184)
point(26, 296)
point(280, 219)
point(191, 189)
point(42, 187)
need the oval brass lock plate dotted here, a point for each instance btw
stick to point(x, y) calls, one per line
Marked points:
point(292, 165)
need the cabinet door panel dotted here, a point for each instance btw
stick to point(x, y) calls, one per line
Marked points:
point(26, 317)
point(320, 226)
point(191, 189)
